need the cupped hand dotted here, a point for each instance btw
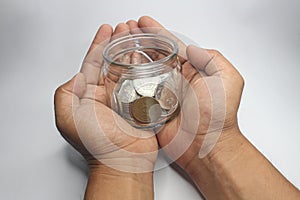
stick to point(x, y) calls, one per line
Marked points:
point(210, 104)
point(86, 121)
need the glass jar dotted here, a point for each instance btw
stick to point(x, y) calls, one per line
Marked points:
point(142, 79)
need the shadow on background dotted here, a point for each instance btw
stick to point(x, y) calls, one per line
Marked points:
point(76, 160)
point(178, 170)
point(186, 177)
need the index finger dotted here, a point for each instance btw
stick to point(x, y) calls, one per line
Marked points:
point(92, 63)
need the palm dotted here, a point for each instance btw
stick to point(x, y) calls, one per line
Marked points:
point(206, 99)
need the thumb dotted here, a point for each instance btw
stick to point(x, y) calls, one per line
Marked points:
point(198, 57)
point(212, 62)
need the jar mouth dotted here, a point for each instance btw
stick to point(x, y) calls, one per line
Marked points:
point(135, 43)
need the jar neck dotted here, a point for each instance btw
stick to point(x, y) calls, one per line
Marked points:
point(157, 54)
point(140, 71)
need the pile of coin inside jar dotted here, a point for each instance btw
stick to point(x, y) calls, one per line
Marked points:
point(149, 99)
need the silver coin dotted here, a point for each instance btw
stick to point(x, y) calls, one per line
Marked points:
point(124, 110)
point(166, 98)
point(146, 86)
point(127, 92)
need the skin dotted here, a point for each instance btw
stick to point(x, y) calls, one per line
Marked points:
point(234, 169)
point(85, 120)
point(231, 168)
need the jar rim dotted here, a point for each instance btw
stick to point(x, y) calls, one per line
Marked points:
point(127, 38)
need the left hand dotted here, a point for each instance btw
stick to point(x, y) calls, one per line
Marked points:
point(85, 120)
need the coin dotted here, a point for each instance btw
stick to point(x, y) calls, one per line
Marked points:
point(127, 93)
point(124, 110)
point(166, 98)
point(145, 110)
point(146, 86)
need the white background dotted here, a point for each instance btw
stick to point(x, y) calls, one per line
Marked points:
point(43, 43)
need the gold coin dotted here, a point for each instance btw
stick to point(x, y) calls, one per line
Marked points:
point(167, 99)
point(145, 110)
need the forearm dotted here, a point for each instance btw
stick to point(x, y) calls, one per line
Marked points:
point(237, 170)
point(107, 183)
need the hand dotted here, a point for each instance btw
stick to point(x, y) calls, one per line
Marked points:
point(110, 145)
point(211, 103)
point(219, 159)
point(85, 121)
point(201, 139)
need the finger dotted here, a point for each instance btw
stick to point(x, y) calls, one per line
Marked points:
point(121, 30)
point(102, 34)
point(134, 27)
point(198, 57)
point(210, 61)
point(93, 61)
point(136, 58)
point(149, 25)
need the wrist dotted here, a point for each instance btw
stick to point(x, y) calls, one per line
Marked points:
point(114, 184)
point(226, 148)
point(206, 172)
point(103, 170)
point(235, 169)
